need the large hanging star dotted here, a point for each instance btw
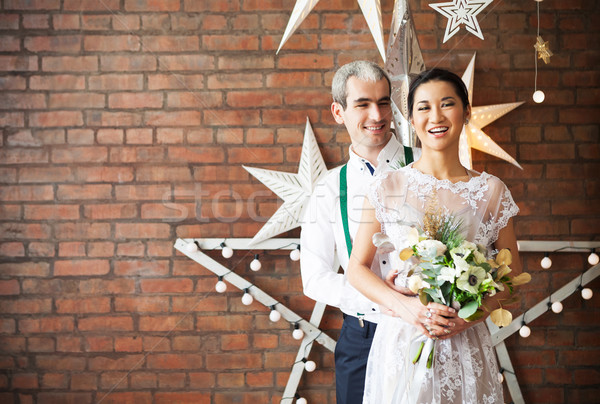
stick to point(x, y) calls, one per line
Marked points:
point(472, 136)
point(543, 50)
point(371, 9)
point(461, 12)
point(294, 189)
point(404, 60)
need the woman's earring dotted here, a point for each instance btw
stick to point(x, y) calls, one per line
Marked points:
point(467, 121)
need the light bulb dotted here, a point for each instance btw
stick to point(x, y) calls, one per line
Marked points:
point(500, 378)
point(274, 315)
point(247, 299)
point(525, 331)
point(593, 258)
point(295, 254)
point(221, 286)
point(297, 333)
point(227, 252)
point(301, 400)
point(310, 366)
point(557, 307)
point(546, 262)
point(255, 265)
point(191, 247)
point(587, 293)
point(539, 96)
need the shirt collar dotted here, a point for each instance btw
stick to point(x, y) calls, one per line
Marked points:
point(388, 155)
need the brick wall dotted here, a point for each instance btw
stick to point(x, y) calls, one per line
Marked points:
point(124, 125)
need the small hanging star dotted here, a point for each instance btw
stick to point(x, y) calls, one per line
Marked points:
point(460, 12)
point(542, 49)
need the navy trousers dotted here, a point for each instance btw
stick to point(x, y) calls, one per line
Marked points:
point(351, 354)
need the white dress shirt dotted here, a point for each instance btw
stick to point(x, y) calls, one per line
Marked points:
point(323, 236)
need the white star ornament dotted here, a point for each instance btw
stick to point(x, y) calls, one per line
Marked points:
point(371, 10)
point(459, 12)
point(294, 189)
point(472, 136)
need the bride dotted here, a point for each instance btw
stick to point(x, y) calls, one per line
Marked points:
point(465, 368)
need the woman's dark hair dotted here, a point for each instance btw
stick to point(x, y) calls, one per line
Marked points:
point(437, 75)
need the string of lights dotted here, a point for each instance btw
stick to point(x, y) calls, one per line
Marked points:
point(308, 332)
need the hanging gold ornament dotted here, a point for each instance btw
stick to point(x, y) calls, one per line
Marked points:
point(543, 50)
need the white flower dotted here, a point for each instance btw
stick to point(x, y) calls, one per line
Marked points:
point(489, 281)
point(412, 235)
point(465, 249)
point(470, 280)
point(448, 274)
point(461, 265)
point(478, 257)
point(430, 248)
point(415, 283)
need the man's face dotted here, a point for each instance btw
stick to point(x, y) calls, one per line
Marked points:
point(368, 113)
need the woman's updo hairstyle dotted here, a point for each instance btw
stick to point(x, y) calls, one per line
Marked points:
point(437, 75)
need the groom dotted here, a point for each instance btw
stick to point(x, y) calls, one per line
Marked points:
point(361, 101)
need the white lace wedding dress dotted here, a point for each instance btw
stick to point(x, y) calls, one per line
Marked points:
point(465, 369)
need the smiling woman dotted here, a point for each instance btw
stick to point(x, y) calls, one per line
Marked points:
point(439, 108)
point(435, 184)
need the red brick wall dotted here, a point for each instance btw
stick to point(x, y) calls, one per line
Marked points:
point(124, 125)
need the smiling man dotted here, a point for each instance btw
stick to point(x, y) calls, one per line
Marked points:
point(361, 102)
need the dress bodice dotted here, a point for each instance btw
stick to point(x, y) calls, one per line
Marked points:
point(483, 204)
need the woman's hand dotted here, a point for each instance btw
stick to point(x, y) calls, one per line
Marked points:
point(444, 322)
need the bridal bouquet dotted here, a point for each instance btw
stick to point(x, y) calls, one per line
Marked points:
point(447, 269)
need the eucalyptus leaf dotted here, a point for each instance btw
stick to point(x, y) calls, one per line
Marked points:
point(503, 270)
point(423, 297)
point(501, 317)
point(475, 316)
point(504, 257)
point(468, 309)
point(485, 266)
point(521, 279)
point(446, 289)
point(406, 254)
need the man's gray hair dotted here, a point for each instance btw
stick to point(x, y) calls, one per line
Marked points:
point(362, 70)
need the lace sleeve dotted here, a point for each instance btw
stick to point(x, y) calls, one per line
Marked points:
point(376, 199)
point(502, 211)
point(387, 194)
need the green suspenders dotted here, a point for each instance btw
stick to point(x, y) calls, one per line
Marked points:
point(408, 155)
point(408, 158)
point(344, 207)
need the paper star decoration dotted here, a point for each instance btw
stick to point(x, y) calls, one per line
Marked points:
point(461, 12)
point(404, 60)
point(294, 189)
point(543, 50)
point(371, 9)
point(472, 136)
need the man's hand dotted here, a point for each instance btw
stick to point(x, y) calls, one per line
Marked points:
point(390, 280)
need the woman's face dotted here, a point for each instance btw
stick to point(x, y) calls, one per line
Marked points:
point(438, 115)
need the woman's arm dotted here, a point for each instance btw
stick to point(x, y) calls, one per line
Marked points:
point(369, 284)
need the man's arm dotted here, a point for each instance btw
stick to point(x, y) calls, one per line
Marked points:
point(321, 281)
